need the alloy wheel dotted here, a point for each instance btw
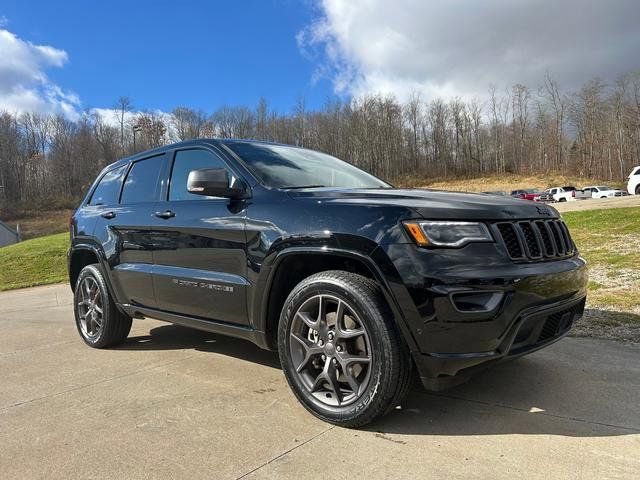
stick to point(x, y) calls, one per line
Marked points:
point(330, 350)
point(90, 308)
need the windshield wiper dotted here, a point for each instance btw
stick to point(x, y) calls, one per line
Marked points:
point(295, 187)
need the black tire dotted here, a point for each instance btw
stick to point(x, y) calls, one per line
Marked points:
point(638, 190)
point(389, 372)
point(114, 326)
point(562, 199)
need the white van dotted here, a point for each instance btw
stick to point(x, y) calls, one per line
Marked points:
point(633, 187)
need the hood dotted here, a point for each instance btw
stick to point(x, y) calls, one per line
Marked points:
point(434, 204)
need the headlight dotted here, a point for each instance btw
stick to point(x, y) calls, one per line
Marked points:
point(447, 234)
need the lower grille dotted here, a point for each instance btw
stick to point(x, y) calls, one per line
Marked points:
point(536, 239)
point(559, 322)
point(538, 329)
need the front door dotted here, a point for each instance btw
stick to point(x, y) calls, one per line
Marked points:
point(200, 262)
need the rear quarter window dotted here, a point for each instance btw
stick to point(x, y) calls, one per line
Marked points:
point(108, 188)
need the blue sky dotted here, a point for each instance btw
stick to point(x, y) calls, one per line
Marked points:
point(164, 53)
point(71, 55)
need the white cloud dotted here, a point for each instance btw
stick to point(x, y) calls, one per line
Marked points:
point(111, 116)
point(24, 85)
point(454, 47)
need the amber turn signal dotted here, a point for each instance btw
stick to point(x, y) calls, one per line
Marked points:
point(417, 234)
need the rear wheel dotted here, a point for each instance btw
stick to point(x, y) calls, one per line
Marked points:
point(340, 349)
point(98, 320)
point(638, 190)
point(562, 199)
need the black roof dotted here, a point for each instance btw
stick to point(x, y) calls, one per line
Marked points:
point(188, 143)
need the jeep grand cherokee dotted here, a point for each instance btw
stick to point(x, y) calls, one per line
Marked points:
point(355, 283)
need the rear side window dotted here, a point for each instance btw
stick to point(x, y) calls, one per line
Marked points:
point(142, 181)
point(185, 161)
point(108, 189)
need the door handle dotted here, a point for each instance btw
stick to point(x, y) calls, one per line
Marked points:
point(166, 214)
point(108, 215)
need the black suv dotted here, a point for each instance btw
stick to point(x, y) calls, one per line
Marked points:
point(356, 284)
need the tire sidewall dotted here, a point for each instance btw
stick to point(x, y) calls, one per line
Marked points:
point(94, 272)
point(372, 324)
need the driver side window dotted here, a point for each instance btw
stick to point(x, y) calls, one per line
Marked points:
point(184, 162)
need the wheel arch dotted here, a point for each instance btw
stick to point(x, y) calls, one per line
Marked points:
point(85, 254)
point(292, 266)
point(79, 257)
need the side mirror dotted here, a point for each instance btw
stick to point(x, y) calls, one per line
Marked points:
point(215, 182)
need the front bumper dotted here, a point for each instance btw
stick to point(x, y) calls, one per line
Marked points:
point(468, 308)
point(531, 331)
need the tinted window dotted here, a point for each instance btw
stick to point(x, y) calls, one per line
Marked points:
point(280, 166)
point(185, 161)
point(140, 185)
point(108, 188)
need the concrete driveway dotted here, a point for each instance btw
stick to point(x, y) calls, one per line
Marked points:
point(176, 403)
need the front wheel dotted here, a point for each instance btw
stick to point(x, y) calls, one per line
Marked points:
point(340, 349)
point(99, 322)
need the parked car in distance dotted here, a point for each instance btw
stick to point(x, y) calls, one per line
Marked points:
point(603, 191)
point(564, 194)
point(354, 283)
point(532, 194)
point(633, 185)
point(500, 193)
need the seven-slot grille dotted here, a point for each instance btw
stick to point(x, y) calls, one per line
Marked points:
point(536, 239)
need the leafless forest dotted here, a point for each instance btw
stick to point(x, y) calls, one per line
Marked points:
point(595, 132)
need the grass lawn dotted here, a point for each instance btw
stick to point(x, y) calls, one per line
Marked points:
point(610, 241)
point(34, 262)
point(505, 182)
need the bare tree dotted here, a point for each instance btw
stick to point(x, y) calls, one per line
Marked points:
point(123, 106)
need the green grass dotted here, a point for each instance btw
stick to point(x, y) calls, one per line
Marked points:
point(607, 237)
point(610, 241)
point(34, 262)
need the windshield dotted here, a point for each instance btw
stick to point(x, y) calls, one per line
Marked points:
point(279, 166)
point(603, 187)
point(533, 190)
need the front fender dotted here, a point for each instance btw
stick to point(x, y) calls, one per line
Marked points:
point(274, 261)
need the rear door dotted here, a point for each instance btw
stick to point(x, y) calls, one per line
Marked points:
point(200, 260)
point(103, 199)
point(124, 229)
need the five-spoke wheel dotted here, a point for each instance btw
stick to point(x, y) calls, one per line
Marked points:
point(99, 321)
point(340, 348)
point(90, 307)
point(331, 350)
